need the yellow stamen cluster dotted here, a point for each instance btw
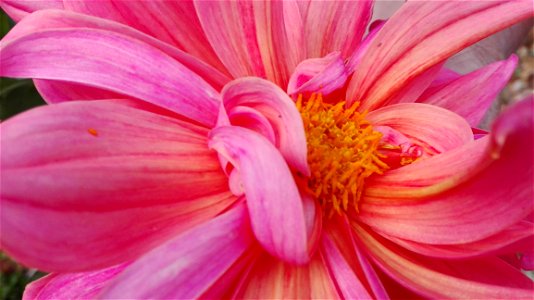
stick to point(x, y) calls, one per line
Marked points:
point(342, 152)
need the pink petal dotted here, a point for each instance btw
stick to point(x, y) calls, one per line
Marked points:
point(430, 213)
point(275, 206)
point(254, 38)
point(471, 95)
point(281, 112)
point(18, 9)
point(488, 278)
point(86, 285)
point(318, 75)
point(111, 61)
point(270, 278)
point(348, 284)
point(435, 129)
point(335, 26)
point(505, 241)
point(55, 91)
point(356, 57)
point(399, 53)
point(82, 181)
point(56, 19)
point(173, 22)
point(186, 266)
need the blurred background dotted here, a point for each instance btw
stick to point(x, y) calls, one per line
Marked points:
point(17, 96)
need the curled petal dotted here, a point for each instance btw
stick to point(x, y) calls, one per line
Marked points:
point(497, 167)
point(318, 75)
point(275, 106)
point(273, 200)
point(19, 9)
point(434, 129)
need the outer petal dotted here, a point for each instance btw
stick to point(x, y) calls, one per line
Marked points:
point(504, 171)
point(82, 181)
point(336, 26)
point(111, 61)
point(471, 95)
point(188, 265)
point(488, 278)
point(398, 54)
point(18, 9)
point(255, 38)
point(86, 285)
point(275, 206)
point(280, 111)
point(318, 75)
point(435, 129)
point(509, 240)
point(173, 22)
point(272, 279)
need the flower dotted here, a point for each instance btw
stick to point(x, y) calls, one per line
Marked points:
point(192, 173)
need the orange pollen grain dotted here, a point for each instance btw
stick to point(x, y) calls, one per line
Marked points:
point(92, 131)
point(342, 152)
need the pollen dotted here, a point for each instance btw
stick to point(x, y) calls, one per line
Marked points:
point(92, 131)
point(342, 153)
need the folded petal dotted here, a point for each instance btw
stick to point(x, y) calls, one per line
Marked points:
point(18, 9)
point(486, 278)
point(275, 106)
point(270, 278)
point(471, 95)
point(318, 75)
point(82, 181)
point(111, 61)
point(428, 211)
point(399, 54)
point(188, 265)
point(434, 129)
point(335, 26)
point(85, 285)
point(258, 38)
point(275, 206)
point(173, 22)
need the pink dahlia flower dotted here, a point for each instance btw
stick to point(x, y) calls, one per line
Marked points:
point(264, 150)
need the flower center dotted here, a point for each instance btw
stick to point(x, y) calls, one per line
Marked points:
point(342, 152)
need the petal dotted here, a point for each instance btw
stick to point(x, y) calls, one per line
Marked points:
point(318, 75)
point(278, 109)
point(86, 285)
point(275, 206)
point(18, 9)
point(399, 53)
point(272, 279)
point(471, 95)
point(348, 284)
point(111, 61)
point(505, 241)
point(254, 38)
point(488, 278)
point(82, 181)
point(429, 213)
point(173, 22)
point(336, 26)
point(435, 129)
point(186, 266)
point(58, 19)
